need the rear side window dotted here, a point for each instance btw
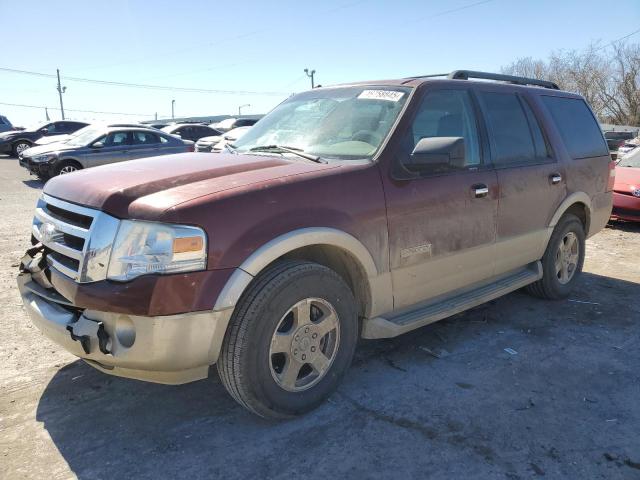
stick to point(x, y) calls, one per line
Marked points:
point(577, 126)
point(514, 132)
point(144, 138)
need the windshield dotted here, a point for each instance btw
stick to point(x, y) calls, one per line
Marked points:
point(85, 136)
point(345, 123)
point(632, 159)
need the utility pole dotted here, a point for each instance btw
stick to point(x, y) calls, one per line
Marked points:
point(61, 90)
point(173, 102)
point(241, 107)
point(310, 75)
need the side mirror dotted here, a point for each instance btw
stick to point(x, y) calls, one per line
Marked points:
point(44, 131)
point(434, 151)
point(97, 145)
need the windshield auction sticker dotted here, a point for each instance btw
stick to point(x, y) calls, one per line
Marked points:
point(390, 95)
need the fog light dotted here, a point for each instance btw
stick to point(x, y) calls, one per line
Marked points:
point(125, 331)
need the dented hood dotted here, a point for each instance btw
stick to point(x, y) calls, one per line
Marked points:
point(147, 187)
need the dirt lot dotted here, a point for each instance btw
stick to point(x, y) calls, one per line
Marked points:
point(444, 402)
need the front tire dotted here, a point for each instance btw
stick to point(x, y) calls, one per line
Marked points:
point(19, 147)
point(65, 167)
point(562, 261)
point(290, 340)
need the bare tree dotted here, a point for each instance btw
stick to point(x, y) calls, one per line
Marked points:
point(608, 77)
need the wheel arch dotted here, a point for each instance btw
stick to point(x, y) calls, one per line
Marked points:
point(578, 203)
point(330, 247)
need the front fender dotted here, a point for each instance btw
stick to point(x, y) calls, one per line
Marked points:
point(379, 283)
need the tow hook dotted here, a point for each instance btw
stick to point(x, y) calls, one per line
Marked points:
point(85, 340)
point(25, 261)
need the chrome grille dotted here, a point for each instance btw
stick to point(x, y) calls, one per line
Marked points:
point(77, 239)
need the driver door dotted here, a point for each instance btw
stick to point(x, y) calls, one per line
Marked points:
point(442, 219)
point(116, 148)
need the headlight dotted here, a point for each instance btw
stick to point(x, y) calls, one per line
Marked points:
point(43, 158)
point(141, 248)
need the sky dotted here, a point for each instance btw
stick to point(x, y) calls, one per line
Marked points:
point(254, 52)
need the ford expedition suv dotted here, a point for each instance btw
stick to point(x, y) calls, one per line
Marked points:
point(361, 210)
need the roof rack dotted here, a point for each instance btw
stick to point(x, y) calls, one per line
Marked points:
point(467, 74)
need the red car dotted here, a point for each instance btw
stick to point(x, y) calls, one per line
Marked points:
point(626, 192)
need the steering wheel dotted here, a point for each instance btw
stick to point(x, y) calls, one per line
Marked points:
point(367, 136)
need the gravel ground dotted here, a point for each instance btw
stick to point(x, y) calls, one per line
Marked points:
point(446, 401)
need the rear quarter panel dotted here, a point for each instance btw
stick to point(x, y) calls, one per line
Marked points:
point(586, 175)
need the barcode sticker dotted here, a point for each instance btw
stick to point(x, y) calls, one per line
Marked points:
point(390, 95)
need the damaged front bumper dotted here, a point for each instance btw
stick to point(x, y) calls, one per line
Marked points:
point(171, 349)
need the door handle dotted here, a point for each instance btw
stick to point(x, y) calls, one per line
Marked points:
point(480, 190)
point(555, 178)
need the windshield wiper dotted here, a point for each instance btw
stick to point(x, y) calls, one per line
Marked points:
point(284, 148)
point(230, 147)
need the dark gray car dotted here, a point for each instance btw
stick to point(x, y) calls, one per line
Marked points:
point(100, 146)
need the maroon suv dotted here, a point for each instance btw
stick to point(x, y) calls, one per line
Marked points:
point(368, 209)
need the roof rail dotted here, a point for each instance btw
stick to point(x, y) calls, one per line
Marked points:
point(467, 74)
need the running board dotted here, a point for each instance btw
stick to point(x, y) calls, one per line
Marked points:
point(410, 319)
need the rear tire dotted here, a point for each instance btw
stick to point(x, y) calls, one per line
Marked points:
point(66, 166)
point(290, 341)
point(562, 261)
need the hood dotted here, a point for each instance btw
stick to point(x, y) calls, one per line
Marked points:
point(48, 148)
point(147, 187)
point(626, 177)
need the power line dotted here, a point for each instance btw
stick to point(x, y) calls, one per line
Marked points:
point(618, 40)
point(141, 85)
point(79, 111)
point(452, 10)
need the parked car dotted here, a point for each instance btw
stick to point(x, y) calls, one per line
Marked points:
point(231, 123)
point(626, 191)
point(5, 124)
point(627, 147)
point(191, 131)
point(99, 146)
point(218, 142)
point(617, 139)
point(64, 138)
point(369, 209)
point(16, 142)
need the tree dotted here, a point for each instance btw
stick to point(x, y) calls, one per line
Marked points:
point(607, 77)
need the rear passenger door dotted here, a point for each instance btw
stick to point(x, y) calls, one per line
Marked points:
point(531, 179)
point(441, 217)
point(144, 144)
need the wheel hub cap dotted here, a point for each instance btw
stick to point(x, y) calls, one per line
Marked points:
point(305, 344)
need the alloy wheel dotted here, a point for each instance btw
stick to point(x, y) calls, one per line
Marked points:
point(567, 257)
point(304, 344)
point(68, 169)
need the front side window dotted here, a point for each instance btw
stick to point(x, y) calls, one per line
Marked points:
point(578, 127)
point(445, 113)
point(117, 139)
point(346, 123)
